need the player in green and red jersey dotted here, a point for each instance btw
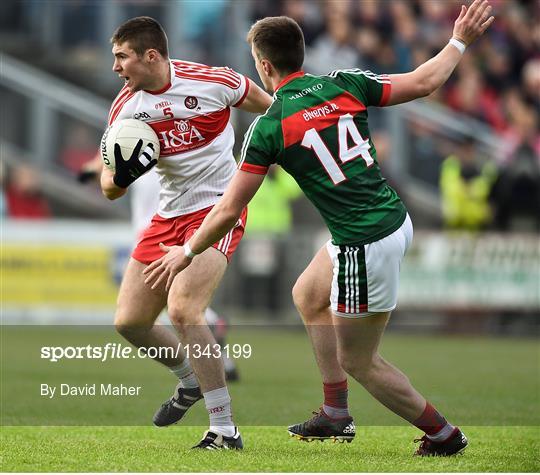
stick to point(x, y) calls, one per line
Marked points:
point(316, 129)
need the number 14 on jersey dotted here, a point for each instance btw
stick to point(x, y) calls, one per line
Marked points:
point(346, 128)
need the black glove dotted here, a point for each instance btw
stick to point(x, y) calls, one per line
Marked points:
point(127, 171)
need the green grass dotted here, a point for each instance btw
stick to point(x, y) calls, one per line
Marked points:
point(491, 387)
point(146, 449)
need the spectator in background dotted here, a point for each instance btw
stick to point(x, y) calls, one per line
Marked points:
point(305, 12)
point(531, 82)
point(24, 195)
point(406, 35)
point(306, 15)
point(436, 21)
point(368, 43)
point(333, 49)
point(472, 96)
point(79, 148)
point(523, 121)
point(465, 188)
point(516, 194)
point(498, 67)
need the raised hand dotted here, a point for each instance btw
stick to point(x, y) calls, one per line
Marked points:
point(472, 21)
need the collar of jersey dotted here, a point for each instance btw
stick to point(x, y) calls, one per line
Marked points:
point(289, 78)
point(160, 91)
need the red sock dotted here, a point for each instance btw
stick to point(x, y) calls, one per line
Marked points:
point(430, 421)
point(335, 394)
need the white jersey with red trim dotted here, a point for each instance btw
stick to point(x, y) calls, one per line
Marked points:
point(191, 118)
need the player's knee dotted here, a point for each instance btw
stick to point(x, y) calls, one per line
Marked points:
point(306, 303)
point(127, 327)
point(185, 315)
point(298, 295)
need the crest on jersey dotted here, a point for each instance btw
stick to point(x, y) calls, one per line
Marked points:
point(191, 102)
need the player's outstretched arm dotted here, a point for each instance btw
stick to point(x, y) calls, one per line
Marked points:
point(257, 100)
point(427, 78)
point(221, 219)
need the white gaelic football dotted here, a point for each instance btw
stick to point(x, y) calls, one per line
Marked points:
point(126, 133)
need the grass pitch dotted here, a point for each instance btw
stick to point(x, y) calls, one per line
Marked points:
point(268, 449)
point(490, 387)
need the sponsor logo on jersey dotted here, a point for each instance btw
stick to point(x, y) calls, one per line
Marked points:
point(182, 135)
point(318, 112)
point(306, 91)
point(191, 102)
point(162, 105)
point(141, 115)
point(178, 136)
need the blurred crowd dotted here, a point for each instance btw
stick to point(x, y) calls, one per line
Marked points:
point(498, 80)
point(497, 83)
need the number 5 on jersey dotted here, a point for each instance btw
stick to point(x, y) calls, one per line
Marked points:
point(346, 128)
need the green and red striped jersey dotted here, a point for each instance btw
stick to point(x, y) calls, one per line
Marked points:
point(317, 130)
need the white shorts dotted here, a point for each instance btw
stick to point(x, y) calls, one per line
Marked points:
point(365, 278)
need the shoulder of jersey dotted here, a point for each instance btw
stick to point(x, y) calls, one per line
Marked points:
point(275, 110)
point(268, 123)
point(201, 72)
point(123, 96)
point(382, 78)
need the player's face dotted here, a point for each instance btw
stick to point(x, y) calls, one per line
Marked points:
point(260, 69)
point(130, 67)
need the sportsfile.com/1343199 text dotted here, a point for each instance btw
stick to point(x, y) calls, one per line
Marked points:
point(111, 351)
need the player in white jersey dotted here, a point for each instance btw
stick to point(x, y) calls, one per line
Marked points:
point(144, 202)
point(188, 106)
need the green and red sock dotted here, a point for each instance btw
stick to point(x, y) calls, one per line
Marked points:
point(335, 399)
point(434, 424)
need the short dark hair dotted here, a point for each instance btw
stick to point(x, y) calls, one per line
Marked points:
point(280, 40)
point(142, 33)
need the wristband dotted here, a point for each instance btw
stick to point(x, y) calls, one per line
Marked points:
point(188, 252)
point(458, 44)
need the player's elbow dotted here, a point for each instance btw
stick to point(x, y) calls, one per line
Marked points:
point(423, 81)
point(231, 218)
point(425, 87)
point(229, 214)
point(110, 196)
